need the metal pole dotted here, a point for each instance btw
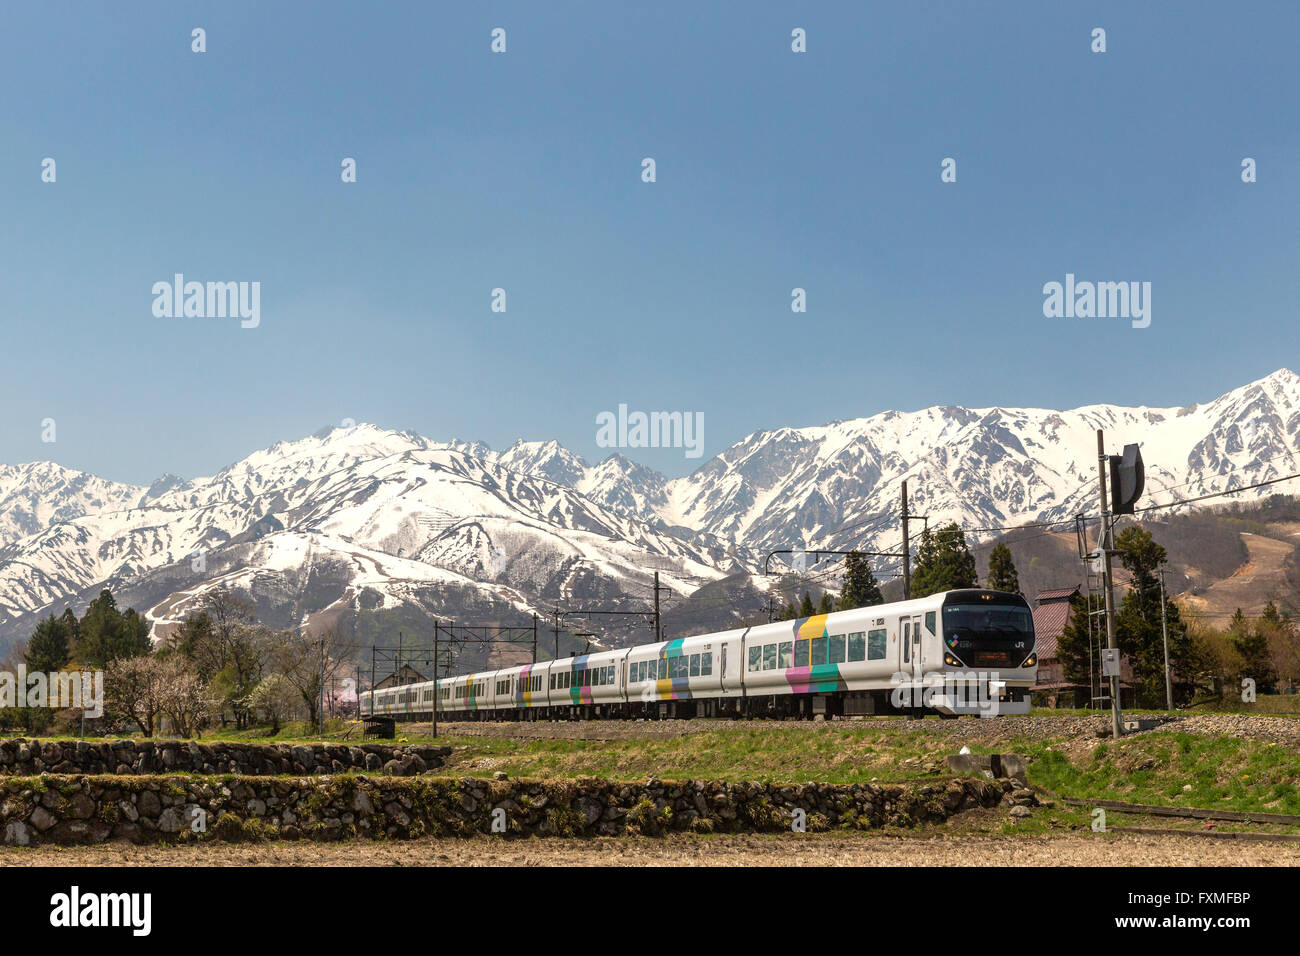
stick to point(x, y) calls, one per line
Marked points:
point(1164, 630)
point(534, 637)
point(436, 688)
point(556, 612)
point(1106, 539)
point(907, 564)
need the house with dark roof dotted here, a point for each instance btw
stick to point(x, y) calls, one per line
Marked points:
point(1051, 617)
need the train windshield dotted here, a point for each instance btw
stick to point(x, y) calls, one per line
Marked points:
point(983, 622)
point(987, 635)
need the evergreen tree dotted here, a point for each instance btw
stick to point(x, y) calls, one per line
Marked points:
point(106, 634)
point(1253, 645)
point(1079, 662)
point(860, 588)
point(1002, 570)
point(943, 562)
point(827, 604)
point(1138, 628)
point(50, 647)
point(806, 607)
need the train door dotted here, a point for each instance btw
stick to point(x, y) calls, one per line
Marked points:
point(918, 669)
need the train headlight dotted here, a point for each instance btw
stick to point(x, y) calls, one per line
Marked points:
point(951, 660)
point(1031, 660)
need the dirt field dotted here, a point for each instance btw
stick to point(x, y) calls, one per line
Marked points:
point(785, 850)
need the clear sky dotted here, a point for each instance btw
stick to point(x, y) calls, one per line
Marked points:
point(522, 171)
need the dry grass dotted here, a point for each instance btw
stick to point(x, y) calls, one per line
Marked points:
point(850, 849)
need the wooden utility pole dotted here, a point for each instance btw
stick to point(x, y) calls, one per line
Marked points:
point(1105, 543)
point(658, 630)
point(907, 561)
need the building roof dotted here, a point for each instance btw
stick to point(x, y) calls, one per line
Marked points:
point(1050, 618)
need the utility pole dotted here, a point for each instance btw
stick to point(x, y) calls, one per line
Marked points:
point(435, 669)
point(436, 689)
point(556, 612)
point(658, 629)
point(1105, 541)
point(907, 563)
point(1164, 630)
point(320, 716)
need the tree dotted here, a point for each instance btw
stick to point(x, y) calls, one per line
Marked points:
point(1138, 625)
point(860, 588)
point(227, 648)
point(50, 647)
point(275, 699)
point(307, 662)
point(827, 604)
point(1252, 644)
point(806, 606)
point(1002, 570)
point(1077, 648)
point(183, 698)
point(106, 634)
point(133, 688)
point(943, 562)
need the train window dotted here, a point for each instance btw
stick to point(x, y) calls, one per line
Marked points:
point(755, 658)
point(929, 622)
point(857, 646)
point(837, 649)
point(907, 642)
point(611, 671)
point(769, 657)
point(552, 682)
point(695, 665)
point(818, 651)
point(706, 664)
point(785, 654)
point(801, 653)
point(683, 667)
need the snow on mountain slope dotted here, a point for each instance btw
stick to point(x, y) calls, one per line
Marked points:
point(979, 467)
point(36, 495)
point(364, 488)
point(537, 520)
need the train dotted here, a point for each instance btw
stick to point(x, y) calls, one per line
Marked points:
point(967, 651)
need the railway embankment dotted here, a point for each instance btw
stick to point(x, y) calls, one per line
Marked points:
point(69, 810)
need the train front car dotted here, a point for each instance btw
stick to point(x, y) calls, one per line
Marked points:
point(990, 656)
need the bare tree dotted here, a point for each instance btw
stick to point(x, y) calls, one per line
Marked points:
point(133, 688)
point(308, 662)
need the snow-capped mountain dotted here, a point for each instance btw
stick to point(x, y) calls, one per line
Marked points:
point(39, 494)
point(387, 513)
point(838, 486)
point(361, 518)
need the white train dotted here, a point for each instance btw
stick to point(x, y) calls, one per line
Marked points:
point(968, 651)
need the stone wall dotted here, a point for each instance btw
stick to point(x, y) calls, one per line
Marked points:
point(86, 809)
point(21, 757)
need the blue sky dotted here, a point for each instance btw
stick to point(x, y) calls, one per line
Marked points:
point(522, 171)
